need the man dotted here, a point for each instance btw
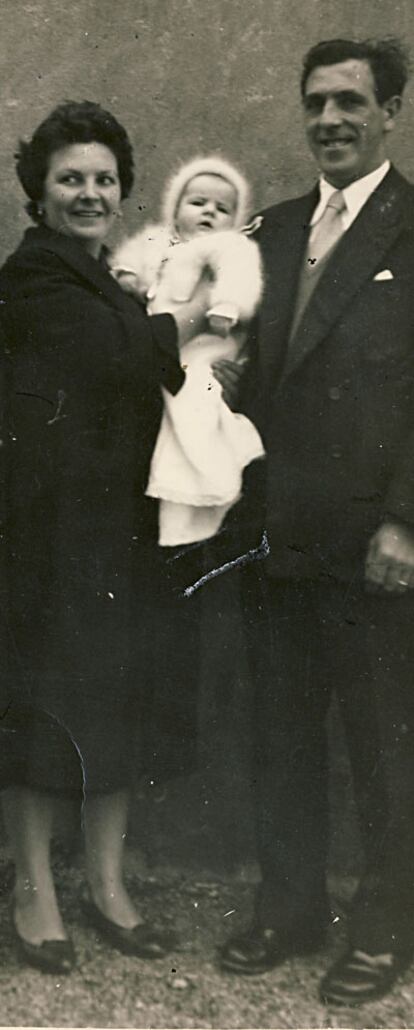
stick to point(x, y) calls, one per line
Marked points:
point(334, 399)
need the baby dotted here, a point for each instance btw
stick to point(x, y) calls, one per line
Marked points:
point(202, 446)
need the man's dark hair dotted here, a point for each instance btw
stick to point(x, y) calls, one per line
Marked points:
point(71, 122)
point(387, 58)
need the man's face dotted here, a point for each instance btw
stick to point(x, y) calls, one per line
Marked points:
point(345, 124)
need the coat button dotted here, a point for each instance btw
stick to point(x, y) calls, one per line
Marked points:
point(334, 393)
point(336, 451)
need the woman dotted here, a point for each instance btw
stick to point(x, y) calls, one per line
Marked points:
point(85, 365)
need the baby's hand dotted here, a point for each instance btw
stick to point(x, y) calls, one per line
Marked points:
point(220, 324)
point(222, 318)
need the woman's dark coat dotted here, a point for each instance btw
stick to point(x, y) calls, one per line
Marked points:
point(83, 366)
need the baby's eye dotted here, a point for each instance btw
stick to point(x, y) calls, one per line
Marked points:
point(223, 210)
point(197, 202)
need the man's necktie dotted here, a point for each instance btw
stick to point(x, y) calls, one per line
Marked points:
point(323, 238)
point(325, 234)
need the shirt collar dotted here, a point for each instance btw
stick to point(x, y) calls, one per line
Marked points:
point(355, 195)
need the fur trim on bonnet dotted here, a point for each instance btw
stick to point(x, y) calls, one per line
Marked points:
point(213, 165)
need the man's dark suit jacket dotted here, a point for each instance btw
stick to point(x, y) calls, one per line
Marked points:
point(337, 411)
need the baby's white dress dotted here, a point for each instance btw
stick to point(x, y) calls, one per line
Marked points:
point(202, 446)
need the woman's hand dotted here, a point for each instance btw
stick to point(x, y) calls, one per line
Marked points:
point(130, 283)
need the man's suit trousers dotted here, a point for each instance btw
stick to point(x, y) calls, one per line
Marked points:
point(306, 639)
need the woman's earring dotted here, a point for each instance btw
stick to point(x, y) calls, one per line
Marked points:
point(40, 211)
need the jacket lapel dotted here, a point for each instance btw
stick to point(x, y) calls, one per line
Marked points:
point(283, 242)
point(354, 261)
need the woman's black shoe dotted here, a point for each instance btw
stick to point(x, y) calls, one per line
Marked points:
point(57, 957)
point(140, 940)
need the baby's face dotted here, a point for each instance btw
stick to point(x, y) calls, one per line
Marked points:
point(207, 204)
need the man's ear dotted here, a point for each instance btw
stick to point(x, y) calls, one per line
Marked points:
point(391, 109)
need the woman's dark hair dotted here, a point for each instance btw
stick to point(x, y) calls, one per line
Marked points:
point(387, 59)
point(71, 122)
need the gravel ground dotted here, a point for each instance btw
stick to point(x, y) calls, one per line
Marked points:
point(187, 990)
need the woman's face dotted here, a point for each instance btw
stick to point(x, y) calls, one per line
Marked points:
point(82, 193)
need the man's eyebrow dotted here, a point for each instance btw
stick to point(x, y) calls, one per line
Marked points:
point(340, 94)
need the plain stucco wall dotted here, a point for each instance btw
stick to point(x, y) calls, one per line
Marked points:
point(184, 76)
point(188, 76)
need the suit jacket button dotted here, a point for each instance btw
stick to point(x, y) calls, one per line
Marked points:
point(334, 393)
point(336, 451)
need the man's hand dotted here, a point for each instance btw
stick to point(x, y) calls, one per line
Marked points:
point(390, 560)
point(229, 374)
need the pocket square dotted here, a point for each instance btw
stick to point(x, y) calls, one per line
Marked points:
point(380, 277)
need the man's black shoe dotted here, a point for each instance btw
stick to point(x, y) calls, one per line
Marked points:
point(262, 948)
point(360, 977)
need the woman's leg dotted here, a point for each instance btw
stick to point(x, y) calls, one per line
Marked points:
point(105, 825)
point(28, 817)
